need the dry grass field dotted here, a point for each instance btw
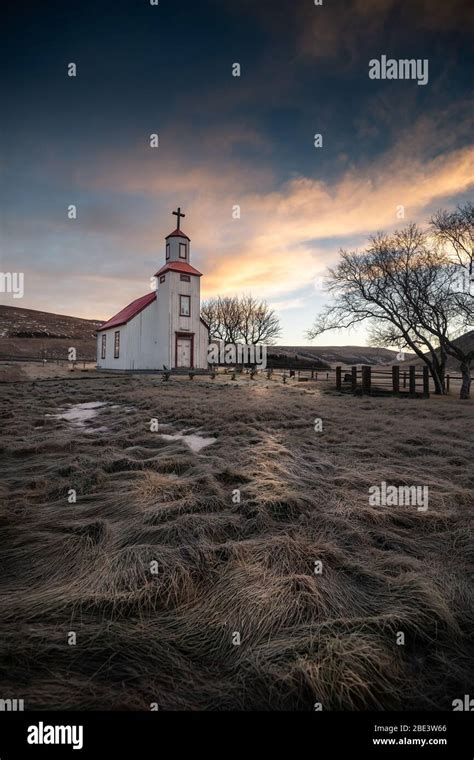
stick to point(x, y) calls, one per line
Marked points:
point(156, 568)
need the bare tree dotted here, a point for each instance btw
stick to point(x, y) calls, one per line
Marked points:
point(223, 317)
point(259, 323)
point(209, 314)
point(455, 231)
point(404, 286)
point(241, 319)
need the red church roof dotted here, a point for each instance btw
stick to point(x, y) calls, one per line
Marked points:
point(178, 233)
point(129, 312)
point(178, 266)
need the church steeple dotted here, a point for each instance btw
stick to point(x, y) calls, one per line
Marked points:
point(177, 242)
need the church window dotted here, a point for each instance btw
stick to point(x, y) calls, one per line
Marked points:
point(185, 278)
point(104, 343)
point(117, 344)
point(184, 306)
point(167, 251)
point(162, 278)
point(182, 250)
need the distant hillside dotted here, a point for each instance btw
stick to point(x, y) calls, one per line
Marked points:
point(30, 334)
point(284, 358)
point(328, 355)
point(466, 342)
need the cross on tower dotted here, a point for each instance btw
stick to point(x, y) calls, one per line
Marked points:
point(179, 215)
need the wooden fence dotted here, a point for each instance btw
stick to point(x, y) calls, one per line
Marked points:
point(414, 380)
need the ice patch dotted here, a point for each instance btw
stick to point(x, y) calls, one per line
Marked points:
point(194, 441)
point(81, 414)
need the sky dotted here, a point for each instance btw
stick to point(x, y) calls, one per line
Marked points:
point(223, 141)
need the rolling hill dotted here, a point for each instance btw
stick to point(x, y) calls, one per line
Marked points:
point(466, 342)
point(330, 355)
point(28, 334)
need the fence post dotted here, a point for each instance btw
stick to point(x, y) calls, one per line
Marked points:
point(426, 382)
point(396, 378)
point(412, 371)
point(354, 379)
point(338, 378)
point(366, 379)
point(447, 383)
point(312, 374)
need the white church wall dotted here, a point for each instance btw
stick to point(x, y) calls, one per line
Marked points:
point(144, 339)
point(148, 340)
point(143, 343)
point(180, 324)
point(164, 355)
point(110, 362)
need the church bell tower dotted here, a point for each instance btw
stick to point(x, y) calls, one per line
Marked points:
point(179, 305)
point(177, 243)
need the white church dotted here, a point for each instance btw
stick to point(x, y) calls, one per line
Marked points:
point(164, 328)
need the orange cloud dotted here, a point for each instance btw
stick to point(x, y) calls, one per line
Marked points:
point(280, 243)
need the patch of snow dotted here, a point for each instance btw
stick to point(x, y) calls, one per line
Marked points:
point(80, 414)
point(194, 441)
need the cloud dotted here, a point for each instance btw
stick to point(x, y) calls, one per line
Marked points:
point(288, 233)
point(344, 34)
point(288, 251)
point(293, 303)
point(283, 239)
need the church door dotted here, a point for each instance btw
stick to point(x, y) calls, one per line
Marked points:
point(183, 352)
